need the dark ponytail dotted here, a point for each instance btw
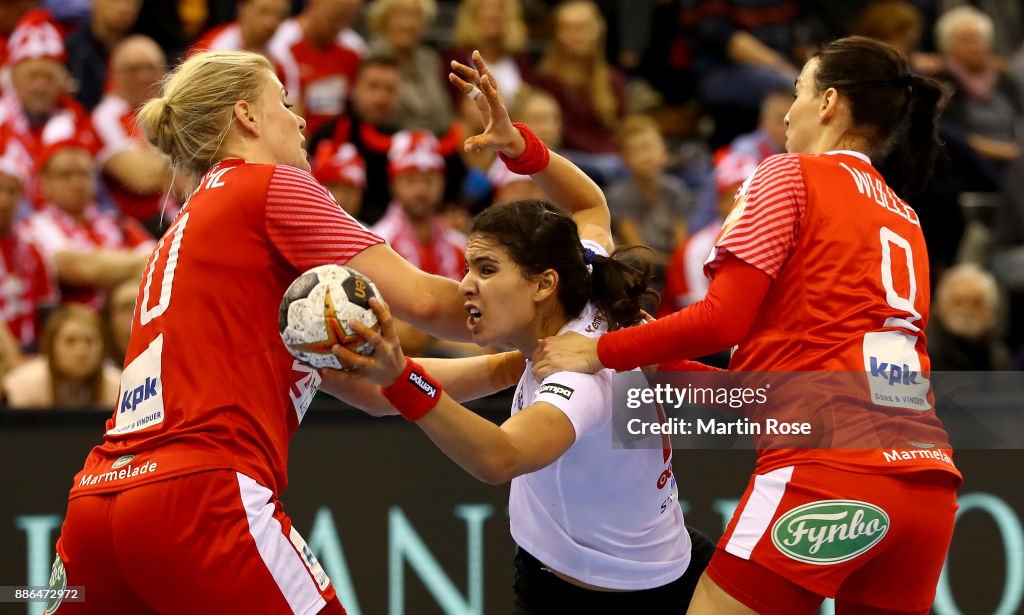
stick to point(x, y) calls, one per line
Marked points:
point(921, 150)
point(898, 109)
point(539, 237)
point(620, 285)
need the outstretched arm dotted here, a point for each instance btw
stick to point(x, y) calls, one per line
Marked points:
point(463, 379)
point(530, 440)
point(567, 187)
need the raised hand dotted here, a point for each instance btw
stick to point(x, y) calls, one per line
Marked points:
point(478, 83)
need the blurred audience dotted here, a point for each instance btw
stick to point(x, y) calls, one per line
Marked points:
point(962, 334)
point(591, 94)
point(77, 187)
point(900, 24)
point(495, 28)
point(416, 227)
point(423, 99)
point(90, 46)
point(90, 250)
point(29, 290)
point(745, 49)
point(136, 174)
point(319, 55)
point(258, 21)
point(413, 224)
point(649, 206)
point(71, 371)
point(984, 101)
point(37, 109)
point(117, 313)
point(340, 168)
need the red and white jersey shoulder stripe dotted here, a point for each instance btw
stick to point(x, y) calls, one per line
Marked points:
point(306, 224)
point(763, 225)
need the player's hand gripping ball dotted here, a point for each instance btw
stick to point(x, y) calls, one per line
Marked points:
point(316, 309)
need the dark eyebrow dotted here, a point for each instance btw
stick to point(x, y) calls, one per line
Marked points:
point(480, 259)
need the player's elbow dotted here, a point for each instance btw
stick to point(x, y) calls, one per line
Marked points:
point(498, 469)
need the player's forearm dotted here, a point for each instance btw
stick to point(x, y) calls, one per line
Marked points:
point(463, 380)
point(475, 377)
point(718, 322)
point(477, 445)
point(569, 189)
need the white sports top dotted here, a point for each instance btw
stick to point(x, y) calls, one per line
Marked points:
point(605, 516)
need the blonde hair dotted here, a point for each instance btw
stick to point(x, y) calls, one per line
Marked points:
point(953, 19)
point(465, 34)
point(191, 119)
point(378, 12)
point(601, 94)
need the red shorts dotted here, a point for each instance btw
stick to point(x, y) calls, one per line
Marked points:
point(210, 542)
point(802, 533)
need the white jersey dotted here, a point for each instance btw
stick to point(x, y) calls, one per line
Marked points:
point(607, 517)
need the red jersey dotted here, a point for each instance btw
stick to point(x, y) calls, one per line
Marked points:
point(207, 381)
point(317, 78)
point(850, 296)
point(28, 286)
point(114, 121)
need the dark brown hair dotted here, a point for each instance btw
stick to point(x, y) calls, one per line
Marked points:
point(898, 109)
point(539, 237)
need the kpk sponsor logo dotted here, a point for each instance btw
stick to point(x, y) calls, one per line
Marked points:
point(557, 389)
point(428, 389)
point(895, 374)
point(829, 531)
point(131, 399)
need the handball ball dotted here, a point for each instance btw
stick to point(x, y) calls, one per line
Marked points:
point(316, 309)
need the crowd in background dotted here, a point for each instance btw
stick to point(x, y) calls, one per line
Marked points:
point(669, 105)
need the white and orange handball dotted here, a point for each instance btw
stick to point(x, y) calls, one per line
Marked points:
point(316, 309)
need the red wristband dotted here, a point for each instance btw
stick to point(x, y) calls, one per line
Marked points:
point(535, 157)
point(414, 393)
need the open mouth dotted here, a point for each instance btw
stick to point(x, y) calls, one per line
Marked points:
point(473, 322)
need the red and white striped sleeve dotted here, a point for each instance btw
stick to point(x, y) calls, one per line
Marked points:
point(306, 224)
point(762, 228)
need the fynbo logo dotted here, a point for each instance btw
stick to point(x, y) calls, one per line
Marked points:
point(829, 531)
point(423, 385)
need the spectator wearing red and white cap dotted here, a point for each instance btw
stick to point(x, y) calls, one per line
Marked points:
point(37, 109)
point(413, 223)
point(319, 55)
point(91, 251)
point(27, 287)
point(340, 168)
point(258, 21)
point(136, 174)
